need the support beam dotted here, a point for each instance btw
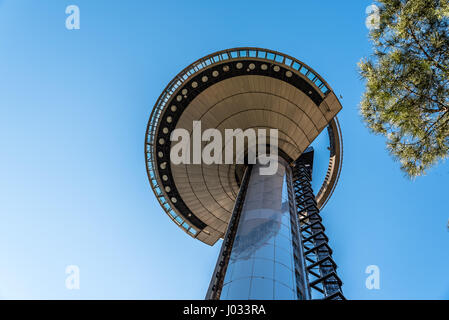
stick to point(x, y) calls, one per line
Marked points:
point(322, 274)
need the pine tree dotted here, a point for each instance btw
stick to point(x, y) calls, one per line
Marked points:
point(407, 82)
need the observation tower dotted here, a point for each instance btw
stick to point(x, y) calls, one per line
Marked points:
point(274, 243)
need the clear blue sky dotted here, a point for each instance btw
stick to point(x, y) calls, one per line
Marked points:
point(73, 187)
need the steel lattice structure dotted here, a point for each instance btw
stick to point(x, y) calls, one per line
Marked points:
point(321, 268)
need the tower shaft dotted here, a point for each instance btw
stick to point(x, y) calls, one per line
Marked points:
point(275, 246)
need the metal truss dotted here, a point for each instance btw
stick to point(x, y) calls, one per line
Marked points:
point(323, 280)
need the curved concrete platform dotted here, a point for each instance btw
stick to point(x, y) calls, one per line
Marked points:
point(237, 88)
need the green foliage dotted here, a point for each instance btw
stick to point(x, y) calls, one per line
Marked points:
point(407, 82)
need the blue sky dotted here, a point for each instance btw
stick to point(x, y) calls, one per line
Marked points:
point(73, 187)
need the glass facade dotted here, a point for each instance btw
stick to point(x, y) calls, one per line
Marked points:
point(264, 262)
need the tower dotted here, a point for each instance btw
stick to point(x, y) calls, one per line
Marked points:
point(274, 243)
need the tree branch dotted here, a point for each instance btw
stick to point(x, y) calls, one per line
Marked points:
point(429, 58)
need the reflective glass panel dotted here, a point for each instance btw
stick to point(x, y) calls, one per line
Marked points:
point(262, 253)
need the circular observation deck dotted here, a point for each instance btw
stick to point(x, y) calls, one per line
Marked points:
point(236, 88)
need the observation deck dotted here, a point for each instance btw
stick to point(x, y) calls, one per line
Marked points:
point(236, 88)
